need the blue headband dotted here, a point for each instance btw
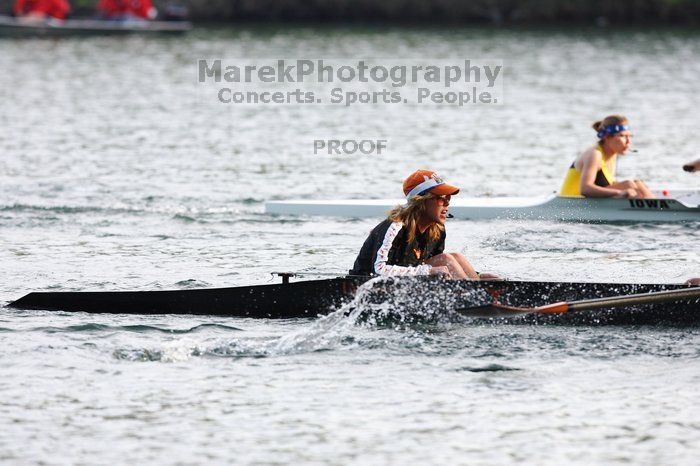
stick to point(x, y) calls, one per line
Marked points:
point(612, 129)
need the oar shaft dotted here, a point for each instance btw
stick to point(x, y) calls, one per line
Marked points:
point(630, 300)
point(497, 309)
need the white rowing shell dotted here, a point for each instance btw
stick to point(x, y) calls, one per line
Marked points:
point(685, 207)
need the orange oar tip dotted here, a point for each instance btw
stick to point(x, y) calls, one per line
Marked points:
point(556, 308)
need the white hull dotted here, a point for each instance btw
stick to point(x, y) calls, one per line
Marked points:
point(683, 209)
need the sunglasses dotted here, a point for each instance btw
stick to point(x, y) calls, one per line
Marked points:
point(443, 198)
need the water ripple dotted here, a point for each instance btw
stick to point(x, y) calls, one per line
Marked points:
point(93, 327)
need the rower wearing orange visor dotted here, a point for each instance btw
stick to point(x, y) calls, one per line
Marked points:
point(411, 240)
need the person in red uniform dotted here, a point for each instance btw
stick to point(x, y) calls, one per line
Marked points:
point(42, 9)
point(126, 9)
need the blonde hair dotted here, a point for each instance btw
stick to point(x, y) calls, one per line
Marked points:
point(609, 120)
point(410, 214)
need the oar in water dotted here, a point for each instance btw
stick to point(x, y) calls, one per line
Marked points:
point(497, 309)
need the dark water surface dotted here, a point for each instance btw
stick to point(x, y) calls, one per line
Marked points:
point(115, 173)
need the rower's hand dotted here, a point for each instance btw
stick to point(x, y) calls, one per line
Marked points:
point(440, 270)
point(692, 167)
point(488, 276)
point(629, 193)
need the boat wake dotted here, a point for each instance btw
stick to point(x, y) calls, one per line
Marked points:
point(415, 309)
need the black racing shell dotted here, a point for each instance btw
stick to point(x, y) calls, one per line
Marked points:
point(386, 251)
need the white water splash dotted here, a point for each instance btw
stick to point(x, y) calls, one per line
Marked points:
point(180, 350)
point(329, 331)
point(380, 302)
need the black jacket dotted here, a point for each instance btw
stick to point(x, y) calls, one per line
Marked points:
point(387, 252)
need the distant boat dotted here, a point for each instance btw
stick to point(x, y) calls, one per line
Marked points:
point(677, 206)
point(14, 27)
